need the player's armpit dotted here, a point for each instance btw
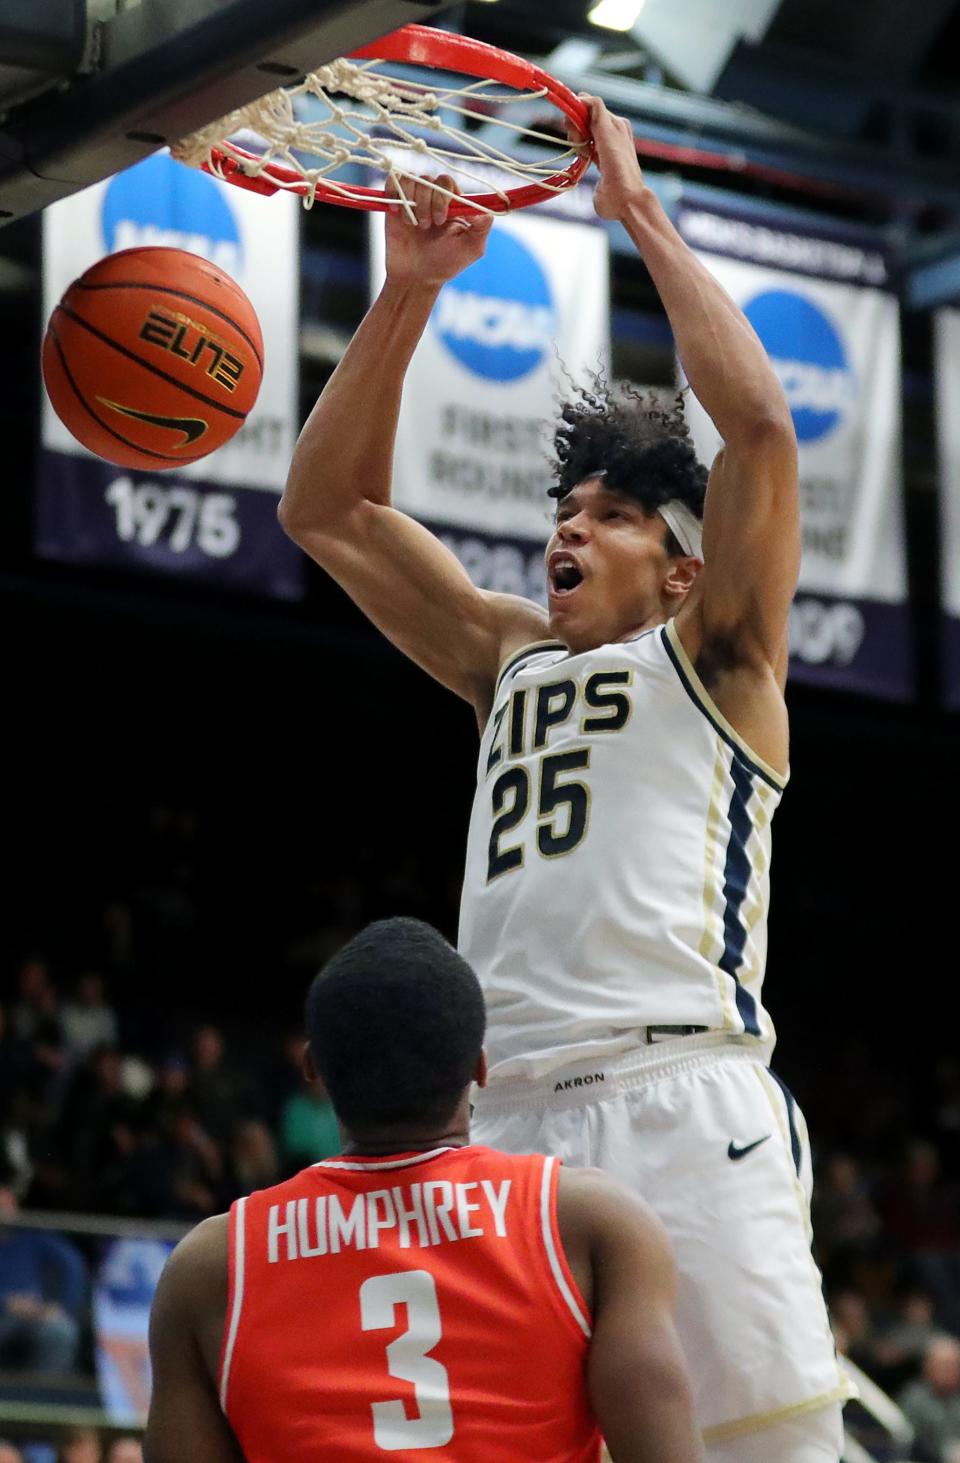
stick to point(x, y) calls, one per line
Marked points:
point(185, 1420)
point(636, 1373)
point(415, 590)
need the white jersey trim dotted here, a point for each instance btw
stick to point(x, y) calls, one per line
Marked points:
point(239, 1244)
point(371, 1165)
point(551, 1249)
point(700, 694)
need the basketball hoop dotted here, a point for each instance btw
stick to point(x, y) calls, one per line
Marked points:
point(400, 127)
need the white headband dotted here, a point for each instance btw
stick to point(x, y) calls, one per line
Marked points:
point(685, 527)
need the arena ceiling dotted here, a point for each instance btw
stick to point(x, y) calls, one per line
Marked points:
point(834, 104)
point(855, 107)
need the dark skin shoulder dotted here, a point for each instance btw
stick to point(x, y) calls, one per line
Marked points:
point(622, 1262)
point(186, 1333)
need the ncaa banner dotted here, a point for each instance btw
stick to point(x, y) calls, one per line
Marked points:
point(831, 328)
point(947, 357)
point(474, 436)
point(213, 520)
point(123, 1290)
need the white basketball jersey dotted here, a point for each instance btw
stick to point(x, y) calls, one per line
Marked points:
point(618, 858)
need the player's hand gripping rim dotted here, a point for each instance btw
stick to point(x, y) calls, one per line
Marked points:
point(614, 150)
point(424, 245)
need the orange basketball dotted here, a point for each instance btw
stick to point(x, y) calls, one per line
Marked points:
point(153, 358)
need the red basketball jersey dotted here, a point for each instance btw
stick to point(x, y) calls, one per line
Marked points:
point(419, 1306)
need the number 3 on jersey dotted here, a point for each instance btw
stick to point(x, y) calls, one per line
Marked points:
point(408, 1360)
point(563, 810)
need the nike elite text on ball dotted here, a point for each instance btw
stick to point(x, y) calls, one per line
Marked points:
point(153, 358)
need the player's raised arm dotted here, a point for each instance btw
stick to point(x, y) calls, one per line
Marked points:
point(636, 1373)
point(751, 532)
point(336, 504)
point(185, 1420)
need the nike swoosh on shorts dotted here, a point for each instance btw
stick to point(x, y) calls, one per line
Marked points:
point(736, 1150)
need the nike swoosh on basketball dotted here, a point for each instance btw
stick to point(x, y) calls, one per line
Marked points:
point(737, 1150)
point(192, 428)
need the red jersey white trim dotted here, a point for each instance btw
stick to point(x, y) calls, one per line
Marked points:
point(239, 1235)
point(364, 1165)
point(546, 1220)
point(425, 1307)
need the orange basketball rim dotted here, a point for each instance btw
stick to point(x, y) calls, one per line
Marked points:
point(393, 101)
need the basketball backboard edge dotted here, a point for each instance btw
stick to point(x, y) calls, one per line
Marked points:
point(166, 68)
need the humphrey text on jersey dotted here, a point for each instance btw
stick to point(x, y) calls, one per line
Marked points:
point(434, 1213)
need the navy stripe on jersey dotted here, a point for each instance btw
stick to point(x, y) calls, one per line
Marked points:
point(736, 876)
point(536, 648)
point(698, 701)
point(790, 1100)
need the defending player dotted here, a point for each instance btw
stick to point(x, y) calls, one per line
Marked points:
point(634, 749)
point(418, 1297)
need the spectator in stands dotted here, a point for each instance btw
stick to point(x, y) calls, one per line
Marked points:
point(922, 1214)
point(253, 1158)
point(904, 1342)
point(932, 1403)
point(42, 1287)
point(37, 1003)
point(88, 1021)
point(845, 1221)
point(80, 1445)
point(193, 1165)
point(43, 1070)
point(169, 1093)
point(97, 1130)
point(282, 1076)
point(308, 1127)
point(16, 1170)
point(9, 1453)
point(854, 1329)
point(123, 1450)
point(219, 1094)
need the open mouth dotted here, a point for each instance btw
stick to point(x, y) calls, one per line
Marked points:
point(565, 576)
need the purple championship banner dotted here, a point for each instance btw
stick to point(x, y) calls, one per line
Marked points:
point(215, 520)
point(821, 304)
point(947, 369)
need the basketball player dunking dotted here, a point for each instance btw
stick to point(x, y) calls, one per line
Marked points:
point(634, 749)
point(418, 1297)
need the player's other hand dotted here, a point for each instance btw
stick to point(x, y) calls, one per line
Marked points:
point(621, 181)
point(434, 247)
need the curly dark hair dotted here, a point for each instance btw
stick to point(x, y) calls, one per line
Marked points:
point(642, 448)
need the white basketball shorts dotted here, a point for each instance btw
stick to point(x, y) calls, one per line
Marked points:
point(703, 1131)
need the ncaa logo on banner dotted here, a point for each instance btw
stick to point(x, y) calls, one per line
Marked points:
point(161, 202)
point(808, 355)
point(498, 318)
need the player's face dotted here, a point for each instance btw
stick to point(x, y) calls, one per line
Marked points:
point(606, 564)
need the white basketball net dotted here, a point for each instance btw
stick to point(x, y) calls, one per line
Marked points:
point(461, 122)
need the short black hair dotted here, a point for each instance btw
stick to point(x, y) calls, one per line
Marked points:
point(395, 1023)
point(642, 448)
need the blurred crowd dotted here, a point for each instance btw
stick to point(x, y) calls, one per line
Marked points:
point(79, 1445)
point(90, 1121)
point(89, 1124)
point(143, 1074)
point(888, 1242)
